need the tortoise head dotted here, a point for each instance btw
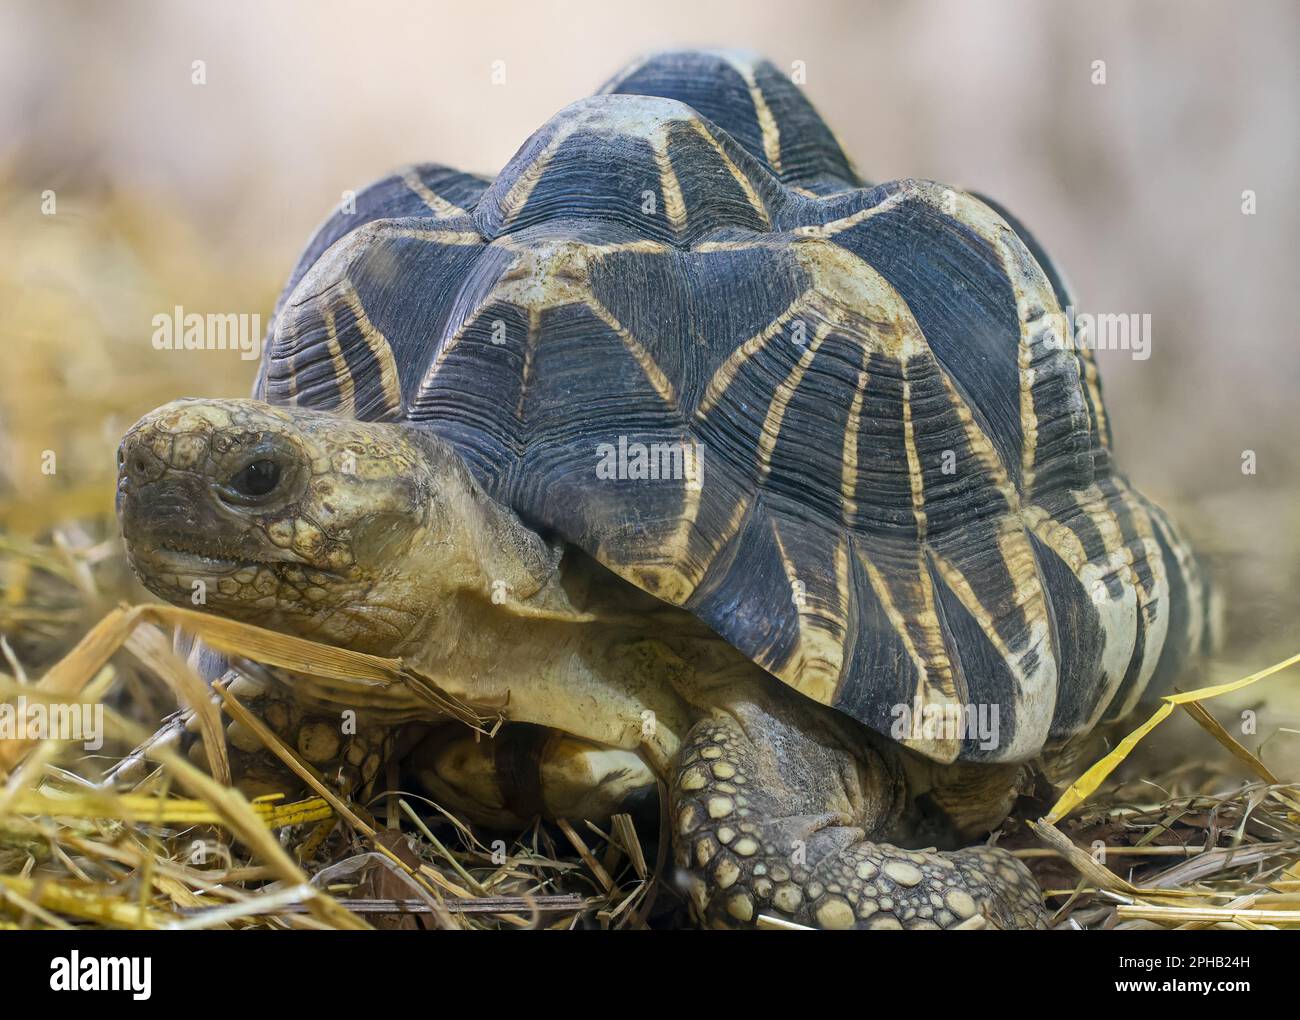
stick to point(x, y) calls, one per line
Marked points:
point(292, 519)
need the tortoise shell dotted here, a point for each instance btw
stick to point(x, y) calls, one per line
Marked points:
point(845, 426)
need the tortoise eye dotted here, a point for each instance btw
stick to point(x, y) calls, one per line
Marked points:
point(257, 479)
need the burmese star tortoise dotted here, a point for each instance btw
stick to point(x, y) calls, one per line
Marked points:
point(712, 463)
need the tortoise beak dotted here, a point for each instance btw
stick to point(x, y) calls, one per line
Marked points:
point(151, 500)
point(158, 507)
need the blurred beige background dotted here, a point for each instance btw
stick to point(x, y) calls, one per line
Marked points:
point(1135, 185)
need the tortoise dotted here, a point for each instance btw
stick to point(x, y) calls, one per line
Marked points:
point(681, 442)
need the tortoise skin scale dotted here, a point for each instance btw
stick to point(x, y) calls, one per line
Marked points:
point(907, 492)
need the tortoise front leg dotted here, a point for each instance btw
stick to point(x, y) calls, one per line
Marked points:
point(349, 759)
point(768, 819)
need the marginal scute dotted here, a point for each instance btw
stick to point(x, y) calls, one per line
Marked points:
point(847, 427)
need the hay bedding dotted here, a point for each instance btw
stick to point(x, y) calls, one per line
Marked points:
point(137, 837)
point(134, 836)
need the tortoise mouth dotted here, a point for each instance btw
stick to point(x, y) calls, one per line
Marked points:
point(181, 556)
